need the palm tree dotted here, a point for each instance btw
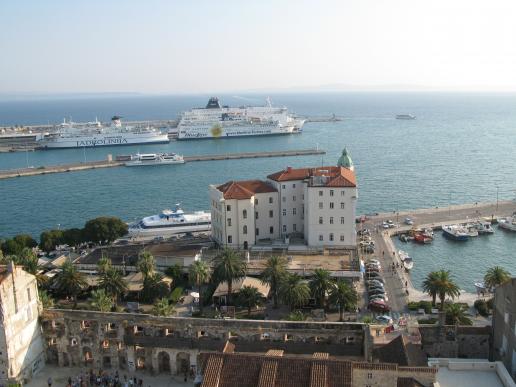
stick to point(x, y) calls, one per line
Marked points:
point(146, 264)
point(154, 287)
point(343, 295)
point(320, 283)
point(495, 276)
point(162, 307)
point(445, 286)
point(456, 315)
point(199, 274)
point(229, 267)
point(46, 300)
point(70, 281)
point(294, 292)
point(113, 283)
point(250, 297)
point(274, 272)
point(29, 260)
point(104, 264)
point(101, 301)
point(430, 285)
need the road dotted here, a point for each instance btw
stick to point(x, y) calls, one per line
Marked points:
point(396, 281)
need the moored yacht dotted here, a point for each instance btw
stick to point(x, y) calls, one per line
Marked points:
point(155, 159)
point(483, 227)
point(508, 223)
point(171, 222)
point(455, 232)
point(405, 117)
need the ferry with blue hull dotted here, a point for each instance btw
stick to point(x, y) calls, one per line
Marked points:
point(455, 232)
point(94, 134)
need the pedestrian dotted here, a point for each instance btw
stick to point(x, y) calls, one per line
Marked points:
point(49, 381)
point(406, 284)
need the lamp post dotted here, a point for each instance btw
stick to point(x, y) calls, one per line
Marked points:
point(496, 198)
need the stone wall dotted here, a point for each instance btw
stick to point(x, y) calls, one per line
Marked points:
point(451, 341)
point(158, 344)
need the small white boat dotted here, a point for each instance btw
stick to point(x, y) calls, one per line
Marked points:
point(508, 223)
point(405, 117)
point(155, 159)
point(483, 227)
point(402, 254)
point(408, 263)
point(480, 287)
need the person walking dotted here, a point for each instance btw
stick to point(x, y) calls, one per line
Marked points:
point(49, 381)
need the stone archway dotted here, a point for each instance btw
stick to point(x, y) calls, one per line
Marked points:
point(182, 363)
point(87, 355)
point(140, 362)
point(164, 362)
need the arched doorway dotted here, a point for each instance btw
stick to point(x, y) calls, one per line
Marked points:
point(140, 363)
point(87, 354)
point(164, 362)
point(246, 245)
point(183, 363)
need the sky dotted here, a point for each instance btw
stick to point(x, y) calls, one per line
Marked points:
point(196, 46)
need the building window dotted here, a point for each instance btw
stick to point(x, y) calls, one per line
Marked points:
point(341, 220)
point(369, 376)
point(257, 232)
point(255, 201)
point(342, 205)
point(294, 211)
point(321, 238)
point(320, 220)
point(294, 198)
point(331, 204)
point(244, 214)
point(230, 239)
point(229, 222)
point(331, 192)
point(228, 208)
point(331, 219)
point(320, 205)
point(283, 199)
point(294, 227)
point(73, 342)
point(284, 212)
point(283, 186)
point(294, 185)
point(342, 238)
point(342, 193)
point(271, 214)
point(303, 197)
point(105, 344)
point(271, 230)
point(29, 298)
point(331, 237)
point(270, 200)
point(244, 230)
point(284, 228)
point(256, 215)
point(320, 193)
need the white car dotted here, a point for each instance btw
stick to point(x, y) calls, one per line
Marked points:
point(385, 319)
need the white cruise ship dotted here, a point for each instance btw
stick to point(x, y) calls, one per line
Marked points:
point(216, 121)
point(93, 134)
point(171, 222)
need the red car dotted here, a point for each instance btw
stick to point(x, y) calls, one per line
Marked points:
point(379, 305)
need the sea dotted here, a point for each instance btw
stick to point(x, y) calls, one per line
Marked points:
point(459, 149)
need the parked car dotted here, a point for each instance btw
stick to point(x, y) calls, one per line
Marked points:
point(409, 221)
point(379, 305)
point(375, 282)
point(385, 319)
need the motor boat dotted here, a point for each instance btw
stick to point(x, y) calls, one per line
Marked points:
point(455, 232)
point(408, 263)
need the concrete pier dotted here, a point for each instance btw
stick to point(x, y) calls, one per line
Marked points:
point(110, 163)
point(434, 218)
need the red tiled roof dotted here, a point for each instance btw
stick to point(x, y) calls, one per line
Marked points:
point(337, 176)
point(244, 189)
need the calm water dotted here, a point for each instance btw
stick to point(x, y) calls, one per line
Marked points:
point(459, 149)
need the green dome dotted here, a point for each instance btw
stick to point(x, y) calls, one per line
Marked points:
point(345, 160)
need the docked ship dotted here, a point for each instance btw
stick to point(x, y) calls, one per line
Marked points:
point(508, 223)
point(19, 140)
point(216, 121)
point(456, 232)
point(171, 222)
point(93, 134)
point(154, 159)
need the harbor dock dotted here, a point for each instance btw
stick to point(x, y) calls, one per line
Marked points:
point(109, 163)
point(398, 282)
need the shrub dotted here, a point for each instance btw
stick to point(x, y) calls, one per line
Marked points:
point(416, 305)
point(490, 303)
point(429, 321)
point(481, 307)
point(296, 315)
point(176, 294)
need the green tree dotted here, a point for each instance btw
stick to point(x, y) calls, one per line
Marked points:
point(274, 273)
point(69, 281)
point(30, 262)
point(445, 286)
point(430, 285)
point(176, 273)
point(344, 296)
point(294, 292)
point(46, 300)
point(146, 264)
point(162, 307)
point(48, 240)
point(101, 301)
point(199, 273)
point(73, 236)
point(113, 283)
point(103, 264)
point(320, 284)
point(250, 297)
point(25, 240)
point(229, 267)
point(104, 229)
point(154, 287)
point(11, 247)
point(456, 315)
point(495, 276)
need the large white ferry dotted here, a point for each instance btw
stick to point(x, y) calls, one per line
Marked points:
point(216, 121)
point(170, 222)
point(93, 134)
